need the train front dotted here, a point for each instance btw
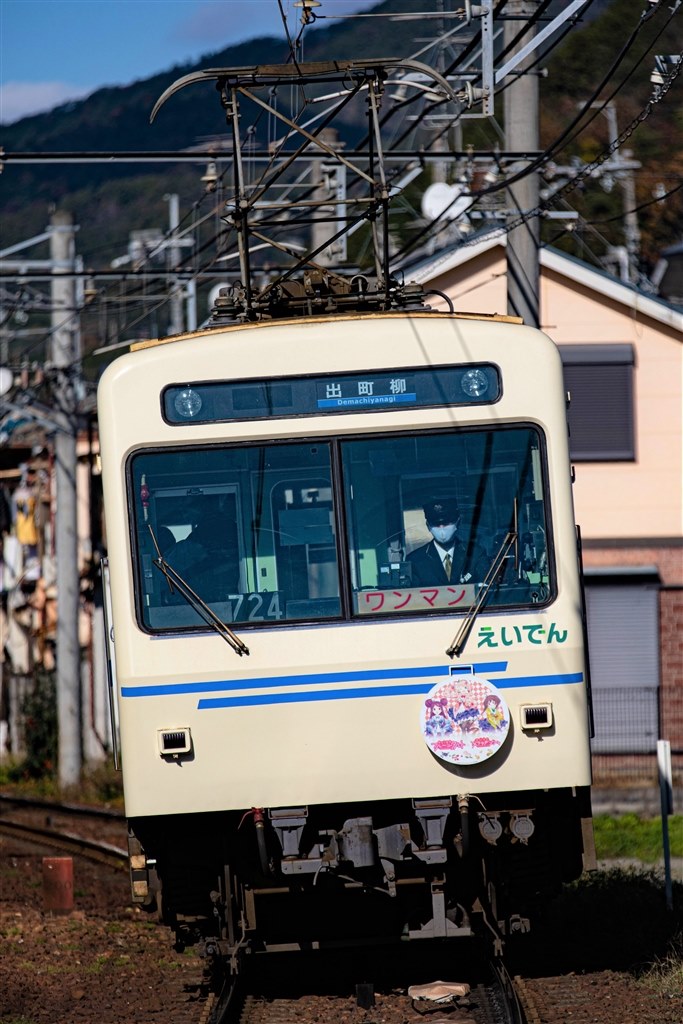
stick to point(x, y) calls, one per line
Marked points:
point(349, 641)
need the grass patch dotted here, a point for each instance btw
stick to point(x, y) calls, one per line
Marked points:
point(100, 785)
point(14, 783)
point(665, 975)
point(98, 964)
point(609, 920)
point(631, 837)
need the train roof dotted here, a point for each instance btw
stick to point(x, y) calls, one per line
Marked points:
point(322, 318)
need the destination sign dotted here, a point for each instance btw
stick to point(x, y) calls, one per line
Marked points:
point(223, 401)
point(358, 393)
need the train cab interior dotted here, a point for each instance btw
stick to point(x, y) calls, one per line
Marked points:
point(326, 530)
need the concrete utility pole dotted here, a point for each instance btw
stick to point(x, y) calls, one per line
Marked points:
point(175, 289)
point(64, 357)
point(330, 181)
point(623, 166)
point(521, 133)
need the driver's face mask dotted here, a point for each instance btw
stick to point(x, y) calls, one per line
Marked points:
point(443, 534)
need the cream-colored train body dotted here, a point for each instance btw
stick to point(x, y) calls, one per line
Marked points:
point(365, 747)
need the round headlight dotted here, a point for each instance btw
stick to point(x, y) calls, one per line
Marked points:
point(187, 403)
point(474, 383)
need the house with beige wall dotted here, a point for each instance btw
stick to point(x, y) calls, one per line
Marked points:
point(622, 351)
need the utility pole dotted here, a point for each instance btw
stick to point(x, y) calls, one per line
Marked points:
point(175, 289)
point(64, 358)
point(623, 166)
point(521, 133)
point(330, 185)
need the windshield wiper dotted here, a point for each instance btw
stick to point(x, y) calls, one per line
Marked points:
point(175, 580)
point(467, 623)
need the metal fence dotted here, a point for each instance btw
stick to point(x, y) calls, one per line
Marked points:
point(28, 713)
point(628, 723)
point(14, 689)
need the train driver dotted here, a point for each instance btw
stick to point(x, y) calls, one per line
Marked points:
point(445, 559)
point(208, 559)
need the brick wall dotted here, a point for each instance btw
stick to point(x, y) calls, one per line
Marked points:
point(668, 559)
point(669, 562)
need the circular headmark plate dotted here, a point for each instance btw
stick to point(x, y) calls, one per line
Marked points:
point(465, 721)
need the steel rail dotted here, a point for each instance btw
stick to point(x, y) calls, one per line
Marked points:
point(79, 810)
point(104, 853)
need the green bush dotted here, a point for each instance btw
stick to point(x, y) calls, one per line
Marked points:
point(608, 920)
point(39, 710)
point(630, 837)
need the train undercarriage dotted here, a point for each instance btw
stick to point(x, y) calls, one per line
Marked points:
point(306, 878)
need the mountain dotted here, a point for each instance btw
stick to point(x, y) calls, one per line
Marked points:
point(108, 202)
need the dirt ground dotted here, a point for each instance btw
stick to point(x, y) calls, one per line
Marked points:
point(109, 963)
point(100, 964)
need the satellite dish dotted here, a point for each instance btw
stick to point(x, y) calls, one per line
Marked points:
point(6, 380)
point(445, 200)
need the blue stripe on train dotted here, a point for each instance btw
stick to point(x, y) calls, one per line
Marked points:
point(311, 695)
point(170, 689)
point(294, 680)
point(252, 699)
point(364, 675)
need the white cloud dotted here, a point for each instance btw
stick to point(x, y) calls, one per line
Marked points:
point(22, 99)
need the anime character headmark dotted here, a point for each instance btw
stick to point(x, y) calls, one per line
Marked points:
point(437, 722)
point(493, 716)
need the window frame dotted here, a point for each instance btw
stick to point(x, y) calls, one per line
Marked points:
point(587, 438)
point(347, 615)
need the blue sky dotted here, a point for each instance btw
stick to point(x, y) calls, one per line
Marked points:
point(52, 51)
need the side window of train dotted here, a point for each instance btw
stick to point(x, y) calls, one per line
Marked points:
point(250, 530)
point(428, 515)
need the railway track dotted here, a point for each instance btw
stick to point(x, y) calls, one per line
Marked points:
point(51, 825)
point(102, 931)
point(54, 809)
point(491, 997)
point(66, 842)
point(300, 990)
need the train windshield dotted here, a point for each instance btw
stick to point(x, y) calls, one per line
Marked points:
point(387, 525)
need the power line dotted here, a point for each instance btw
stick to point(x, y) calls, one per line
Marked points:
point(555, 146)
point(572, 183)
point(642, 206)
point(198, 272)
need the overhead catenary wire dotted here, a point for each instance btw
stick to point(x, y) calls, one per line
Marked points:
point(576, 179)
point(566, 135)
point(642, 206)
point(554, 147)
point(551, 150)
point(179, 230)
point(461, 58)
point(190, 257)
point(170, 234)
